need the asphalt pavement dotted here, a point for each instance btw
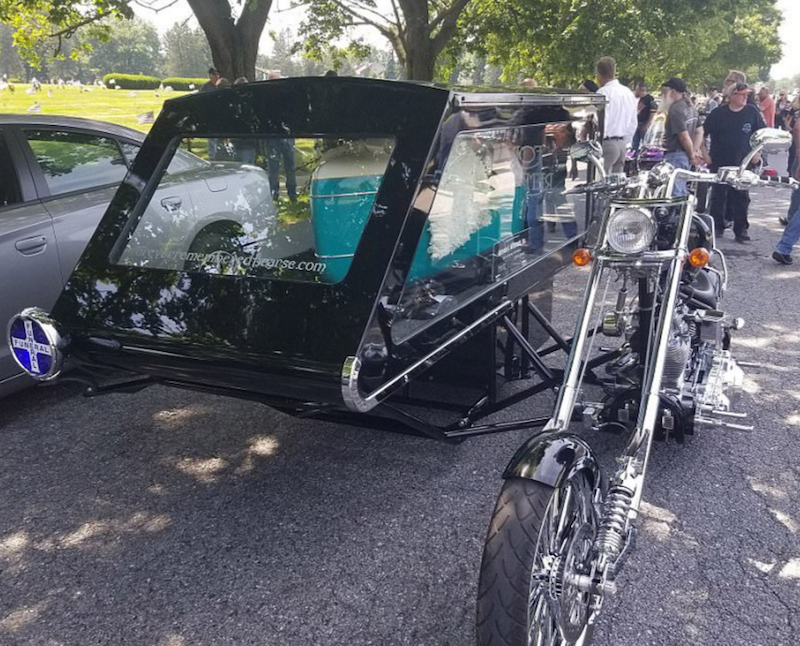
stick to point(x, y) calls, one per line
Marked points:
point(172, 518)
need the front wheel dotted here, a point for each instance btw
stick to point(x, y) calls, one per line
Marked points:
point(540, 540)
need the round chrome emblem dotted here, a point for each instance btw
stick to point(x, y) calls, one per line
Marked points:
point(36, 344)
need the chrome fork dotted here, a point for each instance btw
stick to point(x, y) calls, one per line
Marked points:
point(624, 495)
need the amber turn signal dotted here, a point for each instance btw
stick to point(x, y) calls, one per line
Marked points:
point(698, 257)
point(581, 257)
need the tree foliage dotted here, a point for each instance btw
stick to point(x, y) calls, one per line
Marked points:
point(131, 46)
point(418, 30)
point(558, 41)
point(186, 52)
point(52, 22)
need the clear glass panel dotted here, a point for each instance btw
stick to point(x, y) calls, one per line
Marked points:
point(265, 207)
point(498, 208)
point(72, 161)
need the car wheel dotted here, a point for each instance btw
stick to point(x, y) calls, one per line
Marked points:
point(217, 249)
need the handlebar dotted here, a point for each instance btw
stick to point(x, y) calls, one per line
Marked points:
point(738, 179)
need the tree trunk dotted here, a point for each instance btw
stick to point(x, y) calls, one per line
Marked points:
point(234, 45)
point(420, 65)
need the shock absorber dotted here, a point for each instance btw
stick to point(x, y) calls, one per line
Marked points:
point(611, 535)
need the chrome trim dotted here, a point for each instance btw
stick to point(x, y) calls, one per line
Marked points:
point(571, 386)
point(333, 195)
point(56, 341)
point(357, 402)
point(337, 256)
point(350, 391)
point(638, 449)
point(532, 98)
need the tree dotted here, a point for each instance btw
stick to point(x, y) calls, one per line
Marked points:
point(558, 41)
point(132, 47)
point(37, 22)
point(233, 31)
point(233, 39)
point(418, 30)
point(186, 52)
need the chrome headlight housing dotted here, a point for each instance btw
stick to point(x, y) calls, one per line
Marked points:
point(630, 230)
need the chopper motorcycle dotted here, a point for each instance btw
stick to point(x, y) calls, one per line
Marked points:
point(561, 532)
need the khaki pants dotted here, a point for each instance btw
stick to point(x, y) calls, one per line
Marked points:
point(614, 151)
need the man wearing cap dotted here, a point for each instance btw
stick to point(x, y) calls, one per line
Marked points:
point(730, 127)
point(618, 118)
point(682, 131)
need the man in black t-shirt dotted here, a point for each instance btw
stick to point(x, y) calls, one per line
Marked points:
point(730, 127)
point(644, 117)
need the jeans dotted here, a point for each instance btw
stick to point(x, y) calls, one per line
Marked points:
point(679, 159)
point(281, 150)
point(794, 205)
point(637, 139)
point(791, 234)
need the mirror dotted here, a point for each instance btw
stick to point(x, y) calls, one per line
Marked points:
point(771, 140)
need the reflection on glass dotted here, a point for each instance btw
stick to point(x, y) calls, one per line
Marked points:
point(218, 207)
point(72, 161)
point(498, 208)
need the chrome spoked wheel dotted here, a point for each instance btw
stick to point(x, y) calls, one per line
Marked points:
point(560, 613)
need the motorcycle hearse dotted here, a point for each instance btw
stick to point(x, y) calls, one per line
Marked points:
point(389, 263)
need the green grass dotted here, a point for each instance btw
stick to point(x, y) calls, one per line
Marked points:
point(107, 105)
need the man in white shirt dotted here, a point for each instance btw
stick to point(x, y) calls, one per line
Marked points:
point(618, 118)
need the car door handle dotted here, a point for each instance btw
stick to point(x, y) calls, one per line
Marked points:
point(171, 204)
point(32, 245)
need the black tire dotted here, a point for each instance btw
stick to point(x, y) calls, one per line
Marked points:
point(510, 558)
point(507, 562)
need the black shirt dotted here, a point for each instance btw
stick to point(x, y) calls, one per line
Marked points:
point(647, 106)
point(730, 134)
point(207, 87)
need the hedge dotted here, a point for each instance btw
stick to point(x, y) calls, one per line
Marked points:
point(132, 81)
point(178, 83)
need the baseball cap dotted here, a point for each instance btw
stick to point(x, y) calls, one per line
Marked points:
point(741, 88)
point(679, 85)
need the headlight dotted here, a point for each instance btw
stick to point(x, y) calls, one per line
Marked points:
point(630, 230)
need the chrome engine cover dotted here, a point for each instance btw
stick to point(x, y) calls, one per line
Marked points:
point(722, 383)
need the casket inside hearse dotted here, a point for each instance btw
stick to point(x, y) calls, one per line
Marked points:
point(388, 249)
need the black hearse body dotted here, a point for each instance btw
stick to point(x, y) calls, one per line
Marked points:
point(380, 234)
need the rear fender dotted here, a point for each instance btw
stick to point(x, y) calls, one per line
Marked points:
point(551, 457)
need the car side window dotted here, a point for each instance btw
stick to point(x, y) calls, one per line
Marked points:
point(72, 161)
point(9, 188)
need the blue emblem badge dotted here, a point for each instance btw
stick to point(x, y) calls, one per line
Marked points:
point(35, 344)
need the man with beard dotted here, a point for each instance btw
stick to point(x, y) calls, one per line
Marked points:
point(730, 127)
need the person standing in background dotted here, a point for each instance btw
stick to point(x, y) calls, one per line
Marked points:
point(618, 117)
point(646, 109)
point(782, 106)
point(213, 77)
point(783, 250)
point(713, 100)
point(681, 130)
point(767, 105)
point(730, 127)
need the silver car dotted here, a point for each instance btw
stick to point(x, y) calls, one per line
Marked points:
point(60, 174)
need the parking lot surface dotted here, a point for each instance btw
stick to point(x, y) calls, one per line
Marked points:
point(173, 518)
